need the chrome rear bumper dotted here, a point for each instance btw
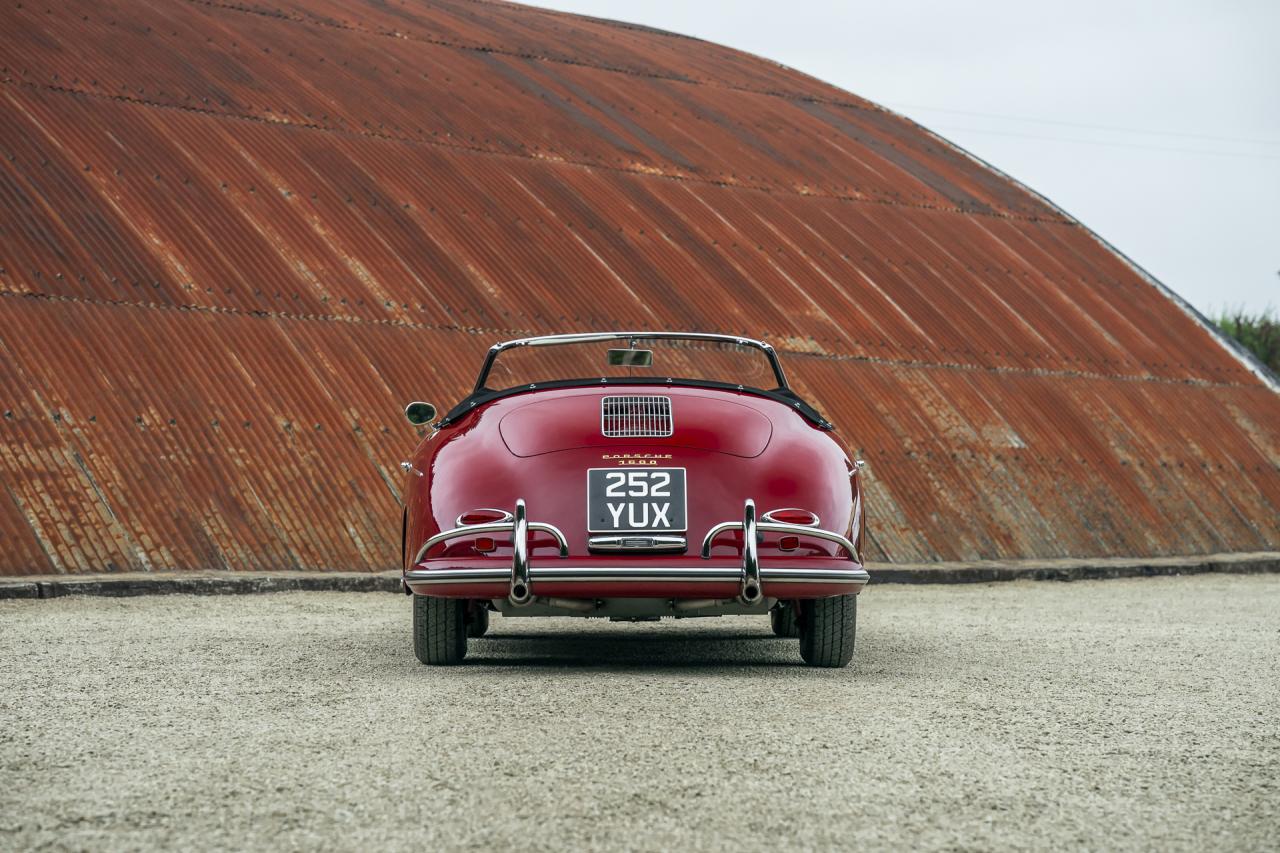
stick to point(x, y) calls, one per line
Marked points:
point(521, 577)
point(854, 576)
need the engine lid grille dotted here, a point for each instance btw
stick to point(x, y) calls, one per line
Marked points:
point(635, 416)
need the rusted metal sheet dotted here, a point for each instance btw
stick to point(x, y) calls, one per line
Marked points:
point(237, 238)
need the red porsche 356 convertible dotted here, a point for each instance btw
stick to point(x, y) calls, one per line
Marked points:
point(632, 476)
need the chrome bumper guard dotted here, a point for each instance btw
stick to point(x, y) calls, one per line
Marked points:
point(751, 547)
point(521, 587)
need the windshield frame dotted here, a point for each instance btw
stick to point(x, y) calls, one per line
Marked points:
point(632, 337)
point(480, 395)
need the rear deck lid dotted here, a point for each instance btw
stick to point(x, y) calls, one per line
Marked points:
point(621, 420)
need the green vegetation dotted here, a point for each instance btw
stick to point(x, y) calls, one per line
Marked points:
point(1260, 333)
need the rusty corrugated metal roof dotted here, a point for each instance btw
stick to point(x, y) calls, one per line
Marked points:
point(236, 238)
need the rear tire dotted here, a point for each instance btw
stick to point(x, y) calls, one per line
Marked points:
point(827, 628)
point(439, 630)
point(478, 620)
point(783, 620)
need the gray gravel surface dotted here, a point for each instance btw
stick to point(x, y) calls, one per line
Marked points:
point(1119, 714)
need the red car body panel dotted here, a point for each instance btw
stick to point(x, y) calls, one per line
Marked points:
point(569, 420)
point(537, 446)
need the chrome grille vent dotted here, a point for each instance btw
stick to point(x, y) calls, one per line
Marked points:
point(635, 417)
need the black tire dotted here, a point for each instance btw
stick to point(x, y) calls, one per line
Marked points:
point(439, 630)
point(478, 620)
point(783, 620)
point(827, 628)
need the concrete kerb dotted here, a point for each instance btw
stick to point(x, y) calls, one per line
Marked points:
point(984, 571)
point(232, 583)
point(198, 583)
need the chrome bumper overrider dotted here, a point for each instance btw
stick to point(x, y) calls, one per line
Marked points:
point(522, 577)
point(773, 527)
point(520, 591)
point(751, 572)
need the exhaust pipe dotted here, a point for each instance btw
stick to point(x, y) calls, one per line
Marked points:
point(751, 593)
point(683, 605)
point(581, 605)
point(520, 595)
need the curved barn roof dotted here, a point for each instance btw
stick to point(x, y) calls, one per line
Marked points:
point(238, 237)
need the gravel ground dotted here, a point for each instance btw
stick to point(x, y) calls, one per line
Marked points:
point(1119, 714)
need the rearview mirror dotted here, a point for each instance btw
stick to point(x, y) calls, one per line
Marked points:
point(630, 357)
point(418, 413)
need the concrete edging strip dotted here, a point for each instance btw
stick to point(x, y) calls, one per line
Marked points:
point(198, 583)
point(1258, 562)
point(983, 571)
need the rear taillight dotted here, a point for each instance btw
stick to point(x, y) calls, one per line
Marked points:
point(484, 545)
point(791, 515)
point(484, 515)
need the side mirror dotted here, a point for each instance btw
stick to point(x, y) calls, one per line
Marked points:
point(419, 414)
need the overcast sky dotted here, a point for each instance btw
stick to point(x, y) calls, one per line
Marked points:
point(1155, 124)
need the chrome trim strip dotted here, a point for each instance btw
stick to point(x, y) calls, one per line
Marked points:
point(857, 576)
point(626, 574)
point(470, 575)
point(629, 574)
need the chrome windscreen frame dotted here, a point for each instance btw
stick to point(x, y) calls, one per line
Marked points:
point(782, 393)
point(590, 337)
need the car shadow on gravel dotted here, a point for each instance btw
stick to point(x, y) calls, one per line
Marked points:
point(655, 647)
point(654, 650)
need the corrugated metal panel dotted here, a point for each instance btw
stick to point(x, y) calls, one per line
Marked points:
point(236, 239)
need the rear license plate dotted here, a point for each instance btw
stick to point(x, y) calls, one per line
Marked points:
point(632, 500)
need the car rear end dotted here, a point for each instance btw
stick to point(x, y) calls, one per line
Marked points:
point(635, 503)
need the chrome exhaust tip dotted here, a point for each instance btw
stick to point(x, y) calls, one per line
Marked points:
point(521, 595)
point(751, 594)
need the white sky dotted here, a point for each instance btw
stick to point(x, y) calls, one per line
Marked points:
point(1155, 124)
